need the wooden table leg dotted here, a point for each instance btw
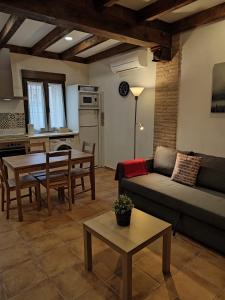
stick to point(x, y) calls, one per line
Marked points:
point(166, 251)
point(18, 196)
point(87, 250)
point(92, 178)
point(127, 276)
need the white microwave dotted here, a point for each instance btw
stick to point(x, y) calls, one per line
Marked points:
point(89, 100)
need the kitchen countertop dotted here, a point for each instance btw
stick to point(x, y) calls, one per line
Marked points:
point(51, 134)
point(25, 137)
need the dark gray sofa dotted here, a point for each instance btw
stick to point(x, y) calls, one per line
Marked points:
point(198, 212)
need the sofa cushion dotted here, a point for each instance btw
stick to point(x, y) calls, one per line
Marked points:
point(186, 169)
point(212, 172)
point(187, 200)
point(164, 160)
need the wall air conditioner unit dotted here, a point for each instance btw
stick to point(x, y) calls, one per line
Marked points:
point(130, 62)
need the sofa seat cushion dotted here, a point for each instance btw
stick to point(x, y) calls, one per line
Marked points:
point(191, 201)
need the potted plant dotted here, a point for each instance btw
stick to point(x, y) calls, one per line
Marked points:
point(122, 208)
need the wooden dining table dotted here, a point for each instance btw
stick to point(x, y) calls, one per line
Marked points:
point(27, 163)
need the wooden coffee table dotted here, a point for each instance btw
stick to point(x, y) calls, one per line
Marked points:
point(143, 230)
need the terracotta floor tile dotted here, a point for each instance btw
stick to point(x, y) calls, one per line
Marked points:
point(52, 247)
point(14, 255)
point(45, 290)
point(181, 251)
point(213, 258)
point(77, 247)
point(104, 267)
point(57, 260)
point(22, 276)
point(151, 264)
point(99, 292)
point(72, 283)
point(44, 243)
point(56, 220)
point(82, 212)
point(163, 293)
point(6, 226)
point(33, 230)
point(8, 239)
point(69, 232)
point(208, 272)
point(2, 292)
point(221, 296)
point(187, 287)
point(98, 248)
point(143, 284)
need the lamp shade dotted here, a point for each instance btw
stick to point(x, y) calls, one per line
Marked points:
point(136, 90)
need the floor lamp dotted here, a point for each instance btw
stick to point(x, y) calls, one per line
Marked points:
point(136, 91)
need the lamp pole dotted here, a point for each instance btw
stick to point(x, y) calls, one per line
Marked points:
point(135, 125)
point(136, 91)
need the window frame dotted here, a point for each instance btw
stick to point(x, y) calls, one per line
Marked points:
point(45, 78)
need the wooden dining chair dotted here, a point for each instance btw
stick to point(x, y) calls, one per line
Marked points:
point(32, 148)
point(35, 147)
point(82, 171)
point(58, 175)
point(9, 185)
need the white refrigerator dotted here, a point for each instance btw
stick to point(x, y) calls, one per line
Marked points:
point(86, 119)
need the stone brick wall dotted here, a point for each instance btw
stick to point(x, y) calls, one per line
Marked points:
point(166, 98)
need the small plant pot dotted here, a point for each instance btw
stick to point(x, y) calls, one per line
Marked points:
point(123, 219)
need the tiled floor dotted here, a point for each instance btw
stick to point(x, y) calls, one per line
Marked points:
point(42, 258)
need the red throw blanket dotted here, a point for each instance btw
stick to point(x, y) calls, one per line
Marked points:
point(135, 167)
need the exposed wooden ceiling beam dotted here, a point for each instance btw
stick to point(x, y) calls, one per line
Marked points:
point(45, 54)
point(9, 29)
point(212, 14)
point(110, 52)
point(115, 23)
point(82, 46)
point(52, 37)
point(159, 8)
point(109, 3)
point(101, 4)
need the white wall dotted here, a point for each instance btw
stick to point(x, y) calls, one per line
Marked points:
point(75, 72)
point(198, 129)
point(119, 111)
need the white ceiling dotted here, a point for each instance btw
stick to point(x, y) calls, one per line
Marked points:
point(30, 32)
point(99, 48)
point(62, 45)
point(190, 9)
point(177, 14)
point(135, 4)
point(3, 19)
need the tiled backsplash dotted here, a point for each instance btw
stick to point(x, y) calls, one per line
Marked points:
point(12, 120)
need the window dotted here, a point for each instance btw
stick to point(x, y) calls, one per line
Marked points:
point(45, 108)
point(37, 112)
point(56, 105)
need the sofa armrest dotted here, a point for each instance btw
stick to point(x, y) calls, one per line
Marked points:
point(120, 169)
point(150, 164)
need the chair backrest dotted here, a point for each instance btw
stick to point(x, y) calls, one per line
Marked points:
point(3, 175)
point(58, 165)
point(36, 147)
point(88, 147)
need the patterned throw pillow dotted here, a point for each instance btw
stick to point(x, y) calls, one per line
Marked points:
point(186, 169)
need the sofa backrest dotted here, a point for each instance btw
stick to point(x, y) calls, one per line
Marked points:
point(164, 160)
point(212, 172)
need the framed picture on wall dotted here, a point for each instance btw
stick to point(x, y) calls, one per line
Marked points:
point(218, 89)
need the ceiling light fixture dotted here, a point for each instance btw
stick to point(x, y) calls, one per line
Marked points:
point(68, 38)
